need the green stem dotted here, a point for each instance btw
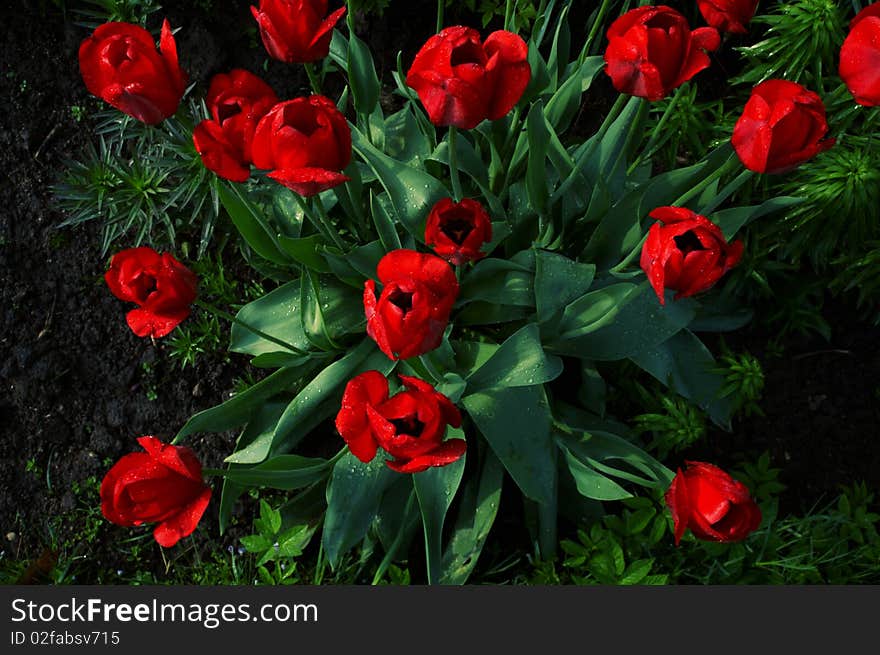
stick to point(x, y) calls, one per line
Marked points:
point(704, 184)
point(233, 319)
point(652, 145)
point(453, 165)
point(729, 189)
point(314, 80)
point(395, 545)
point(441, 5)
point(328, 224)
point(594, 30)
point(508, 16)
point(318, 221)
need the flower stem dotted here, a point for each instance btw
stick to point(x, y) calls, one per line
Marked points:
point(653, 145)
point(453, 165)
point(314, 80)
point(233, 319)
point(594, 30)
point(508, 16)
point(703, 184)
point(328, 224)
point(441, 5)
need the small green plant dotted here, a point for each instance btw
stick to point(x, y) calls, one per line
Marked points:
point(744, 381)
point(77, 112)
point(677, 425)
point(274, 544)
point(126, 11)
point(149, 379)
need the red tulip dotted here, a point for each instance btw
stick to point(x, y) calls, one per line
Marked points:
point(860, 57)
point(161, 286)
point(237, 101)
point(462, 82)
point(413, 310)
point(120, 64)
point(457, 231)
point(782, 125)
point(728, 15)
point(296, 31)
point(409, 426)
point(712, 504)
point(686, 252)
point(162, 485)
point(652, 50)
point(306, 141)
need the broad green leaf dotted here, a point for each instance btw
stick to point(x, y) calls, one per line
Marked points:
point(516, 423)
point(500, 281)
point(404, 139)
point(330, 310)
point(275, 314)
point(595, 309)
point(476, 514)
point(559, 281)
point(520, 361)
point(239, 409)
point(304, 250)
point(685, 365)
point(592, 484)
point(281, 472)
point(412, 191)
point(251, 225)
point(320, 398)
point(435, 489)
point(398, 517)
point(353, 496)
point(637, 325)
point(538, 136)
point(564, 104)
point(384, 225)
point(362, 76)
point(732, 220)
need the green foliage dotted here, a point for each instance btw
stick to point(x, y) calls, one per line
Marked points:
point(678, 426)
point(273, 543)
point(744, 380)
point(144, 184)
point(127, 11)
point(524, 11)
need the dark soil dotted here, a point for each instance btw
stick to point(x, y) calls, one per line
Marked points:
point(75, 380)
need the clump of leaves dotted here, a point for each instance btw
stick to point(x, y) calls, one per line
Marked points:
point(127, 11)
point(676, 426)
point(744, 380)
point(277, 545)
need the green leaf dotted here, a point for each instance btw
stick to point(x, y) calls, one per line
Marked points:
point(637, 325)
point(404, 139)
point(476, 514)
point(362, 76)
point(435, 489)
point(499, 281)
point(592, 484)
point(732, 220)
point(520, 361)
point(330, 310)
point(304, 250)
point(353, 496)
point(636, 572)
point(558, 281)
point(239, 409)
point(256, 543)
point(276, 314)
point(412, 191)
point(516, 423)
point(281, 472)
point(271, 518)
point(320, 398)
point(384, 225)
point(595, 309)
point(292, 542)
point(564, 104)
point(251, 225)
point(538, 137)
point(683, 363)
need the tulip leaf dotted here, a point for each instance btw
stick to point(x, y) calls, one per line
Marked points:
point(519, 362)
point(362, 76)
point(282, 472)
point(558, 281)
point(538, 136)
point(516, 423)
point(685, 365)
point(476, 514)
point(239, 409)
point(252, 227)
point(412, 191)
point(592, 484)
point(595, 309)
point(500, 281)
point(319, 399)
point(384, 225)
point(565, 103)
point(330, 310)
point(732, 220)
point(304, 250)
point(435, 490)
point(275, 314)
point(635, 323)
point(404, 139)
point(398, 517)
point(353, 496)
